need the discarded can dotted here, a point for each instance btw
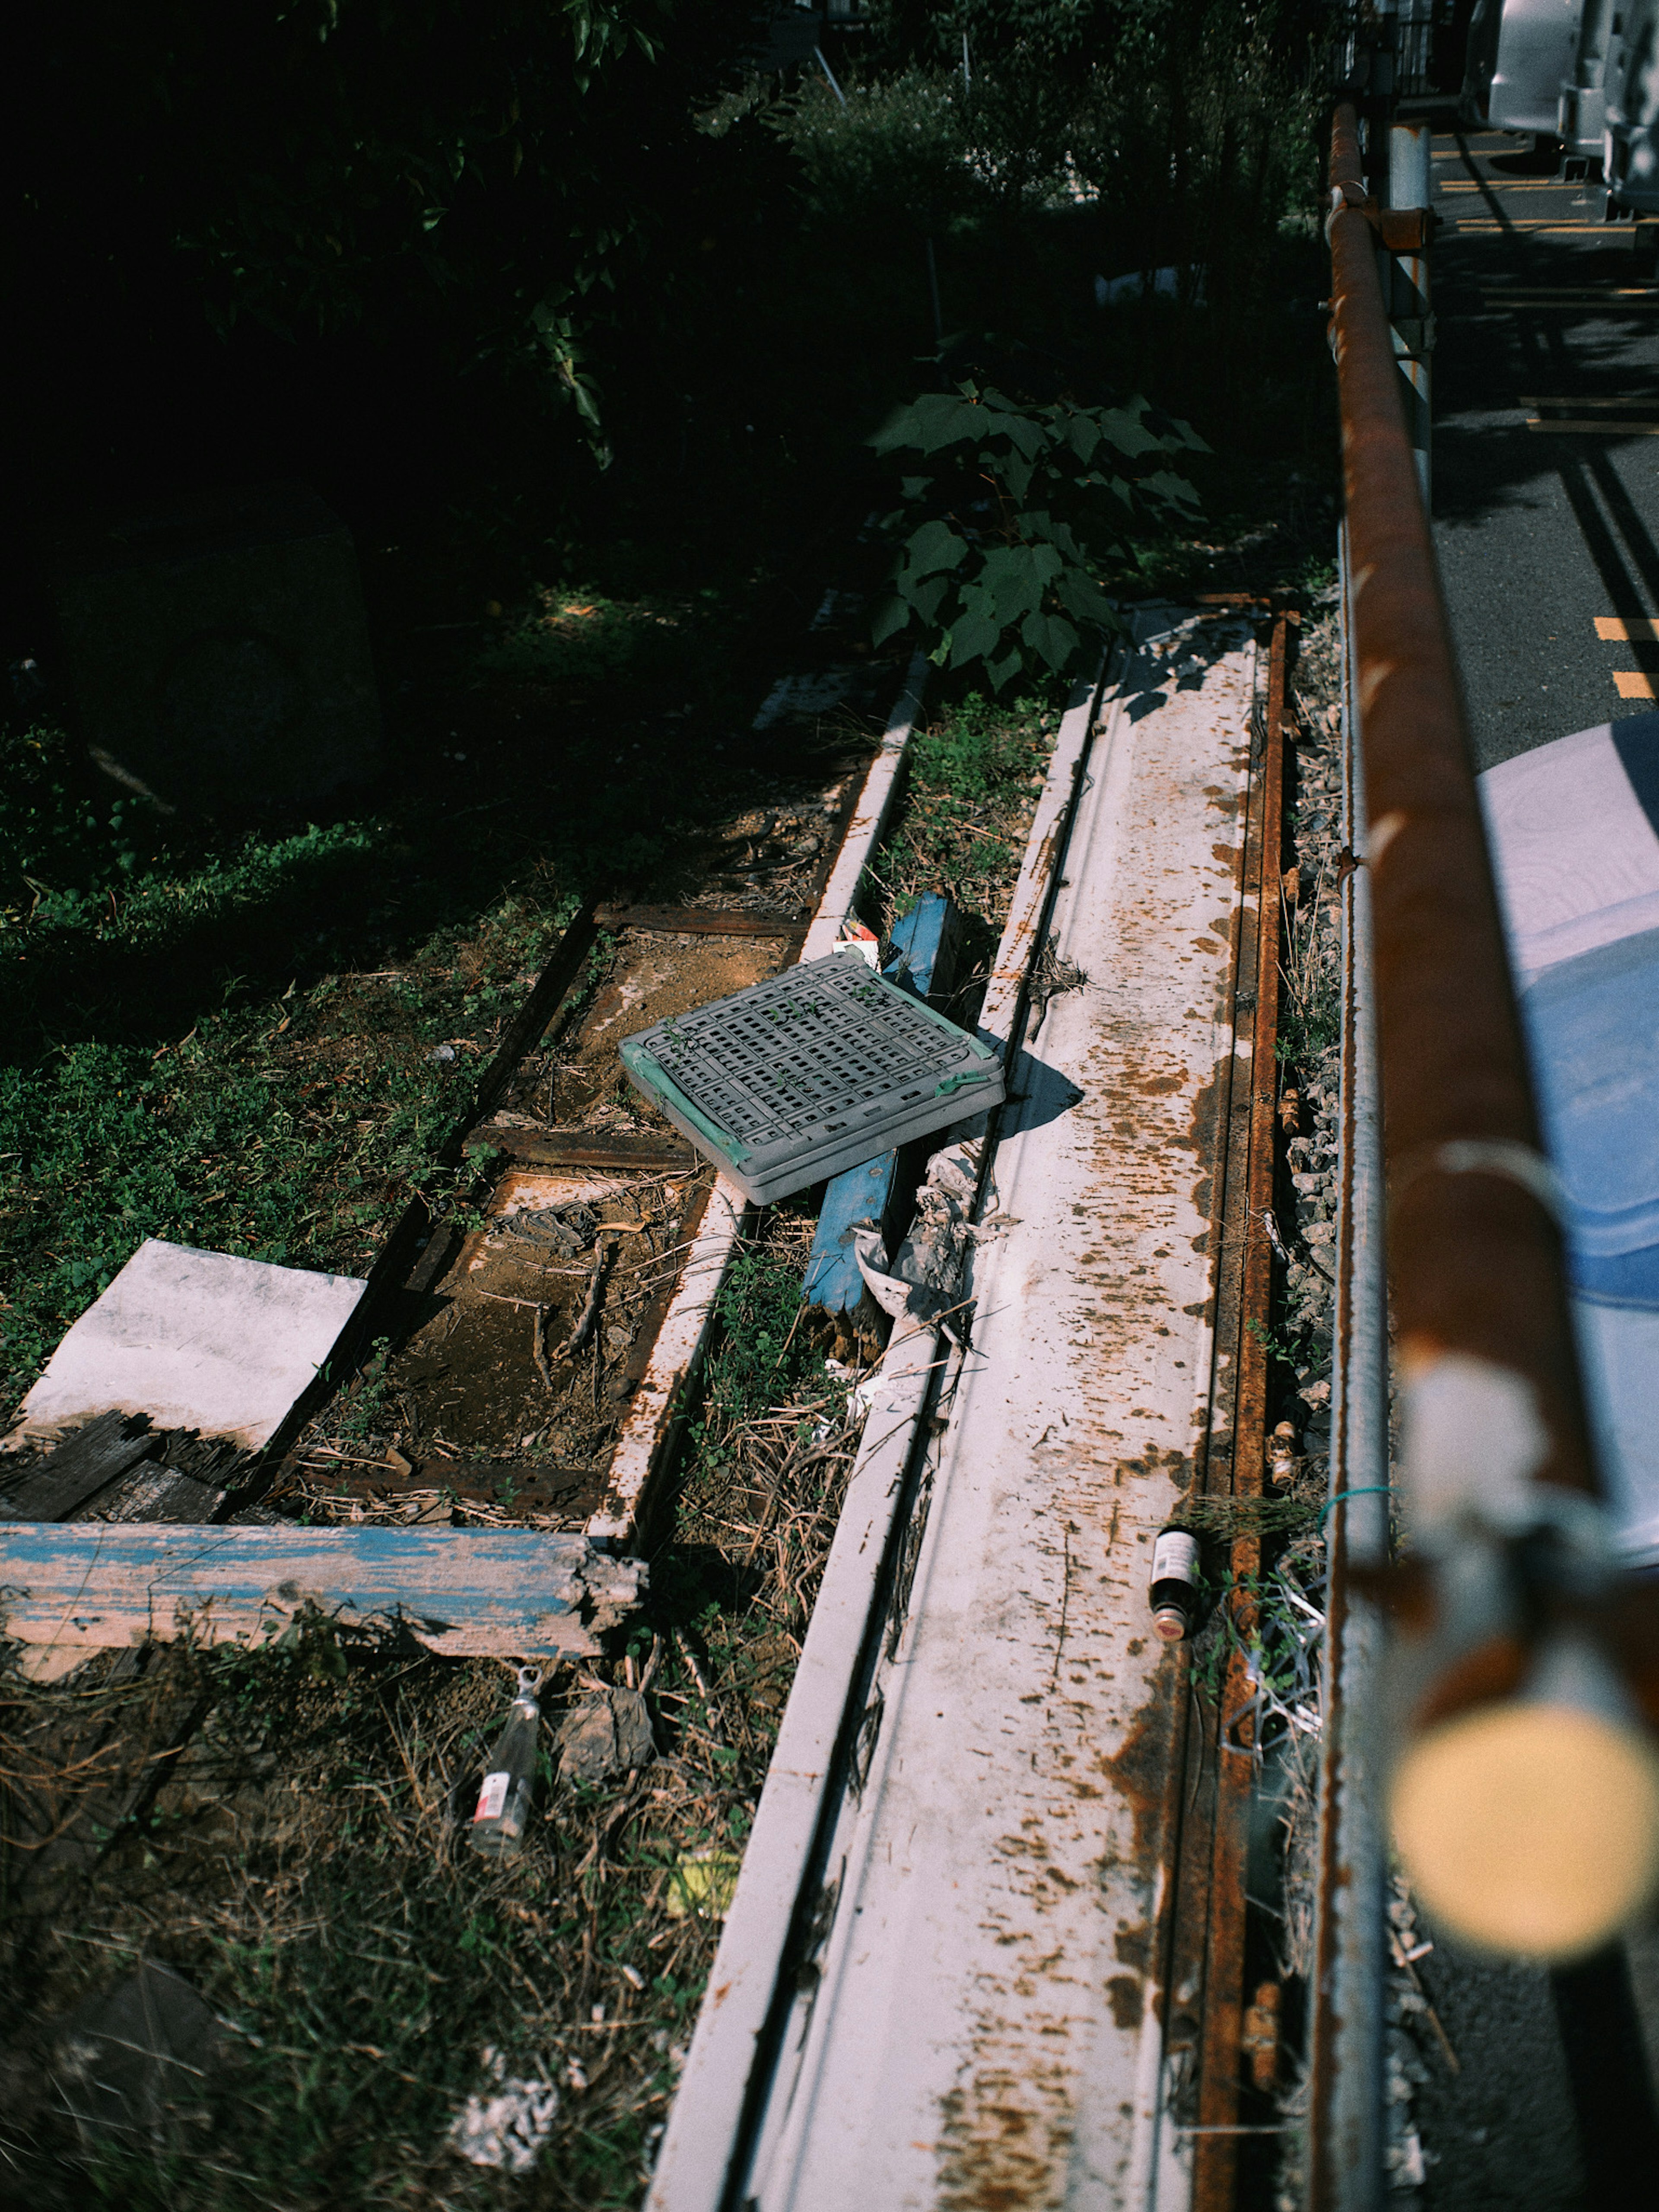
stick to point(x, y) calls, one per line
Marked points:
point(1173, 1593)
point(509, 1781)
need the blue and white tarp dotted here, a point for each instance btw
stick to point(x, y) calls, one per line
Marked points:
point(1573, 831)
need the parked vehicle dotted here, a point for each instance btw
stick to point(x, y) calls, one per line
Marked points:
point(1520, 51)
point(1581, 116)
point(1630, 142)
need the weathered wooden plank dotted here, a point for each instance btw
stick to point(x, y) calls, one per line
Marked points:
point(703, 922)
point(464, 1593)
point(528, 1488)
point(160, 1493)
point(81, 1466)
point(554, 1147)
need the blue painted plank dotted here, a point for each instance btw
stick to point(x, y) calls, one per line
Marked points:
point(923, 960)
point(517, 1592)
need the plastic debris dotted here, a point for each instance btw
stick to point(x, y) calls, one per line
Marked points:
point(705, 1883)
point(810, 1072)
point(507, 2126)
point(927, 1280)
point(855, 938)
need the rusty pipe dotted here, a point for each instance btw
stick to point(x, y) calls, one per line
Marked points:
point(1507, 1691)
point(1475, 1258)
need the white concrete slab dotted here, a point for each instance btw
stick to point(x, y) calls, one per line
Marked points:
point(196, 1340)
point(979, 2023)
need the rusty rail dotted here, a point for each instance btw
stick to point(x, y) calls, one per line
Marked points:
point(1475, 1258)
point(1243, 1306)
point(1511, 1627)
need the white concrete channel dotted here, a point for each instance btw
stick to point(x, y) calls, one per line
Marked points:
point(938, 1983)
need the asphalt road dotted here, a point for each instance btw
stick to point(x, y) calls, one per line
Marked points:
point(1542, 533)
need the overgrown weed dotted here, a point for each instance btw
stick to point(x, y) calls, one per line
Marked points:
point(974, 774)
point(306, 1867)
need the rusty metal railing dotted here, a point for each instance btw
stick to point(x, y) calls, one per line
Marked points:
point(1516, 1652)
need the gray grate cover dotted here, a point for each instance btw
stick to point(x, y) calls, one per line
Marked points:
point(810, 1072)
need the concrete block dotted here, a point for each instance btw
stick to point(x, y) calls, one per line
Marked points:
point(196, 1340)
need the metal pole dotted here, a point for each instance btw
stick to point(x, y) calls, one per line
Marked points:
point(817, 55)
point(1518, 1658)
point(1474, 1254)
point(1345, 2128)
point(1410, 171)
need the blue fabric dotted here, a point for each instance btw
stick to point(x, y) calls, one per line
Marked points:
point(1636, 741)
point(1592, 1028)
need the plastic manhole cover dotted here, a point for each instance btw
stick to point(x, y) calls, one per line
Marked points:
point(819, 1069)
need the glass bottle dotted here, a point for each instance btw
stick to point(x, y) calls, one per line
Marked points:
point(1173, 1593)
point(509, 1781)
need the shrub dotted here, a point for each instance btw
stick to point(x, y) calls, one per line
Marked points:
point(1004, 532)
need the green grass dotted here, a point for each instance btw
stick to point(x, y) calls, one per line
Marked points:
point(577, 636)
point(221, 1033)
point(289, 1128)
point(973, 781)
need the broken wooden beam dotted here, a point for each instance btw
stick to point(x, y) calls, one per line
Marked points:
point(516, 1485)
point(703, 922)
point(80, 1467)
point(464, 1593)
point(554, 1147)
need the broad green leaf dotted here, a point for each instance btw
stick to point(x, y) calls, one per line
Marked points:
point(1023, 434)
point(1051, 636)
point(935, 545)
point(1128, 433)
point(941, 422)
point(892, 616)
point(1173, 490)
point(1081, 596)
point(1010, 665)
point(1015, 578)
point(1083, 435)
point(973, 638)
point(927, 598)
point(1016, 474)
point(899, 429)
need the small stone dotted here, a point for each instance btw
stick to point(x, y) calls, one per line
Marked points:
point(609, 1733)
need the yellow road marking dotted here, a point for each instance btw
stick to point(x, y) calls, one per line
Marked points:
point(1632, 686)
point(1627, 628)
point(1460, 225)
point(1611, 303)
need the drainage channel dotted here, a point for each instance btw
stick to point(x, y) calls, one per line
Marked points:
point(989, 1939)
